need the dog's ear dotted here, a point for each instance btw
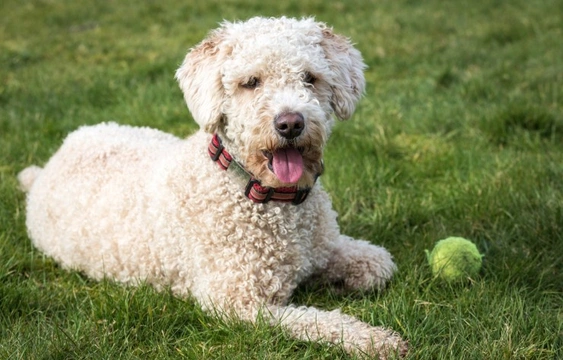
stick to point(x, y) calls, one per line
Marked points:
point(348, 83)
point(199, 77)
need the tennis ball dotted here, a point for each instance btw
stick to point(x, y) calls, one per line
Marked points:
point(454, 259)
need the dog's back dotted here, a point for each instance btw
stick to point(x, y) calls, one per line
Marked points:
point(95, 188)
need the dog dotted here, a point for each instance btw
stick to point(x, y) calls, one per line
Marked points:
point(234, 216)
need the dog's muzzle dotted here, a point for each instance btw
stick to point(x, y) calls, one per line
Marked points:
point(254, 190)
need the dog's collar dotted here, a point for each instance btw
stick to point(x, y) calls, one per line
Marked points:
point(254, 190)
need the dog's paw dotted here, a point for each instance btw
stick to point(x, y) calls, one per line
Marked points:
point(379, 343)
point(367, 266)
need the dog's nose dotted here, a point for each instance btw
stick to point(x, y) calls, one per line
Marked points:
point(289, 124)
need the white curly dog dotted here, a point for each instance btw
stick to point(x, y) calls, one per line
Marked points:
point(233, 215)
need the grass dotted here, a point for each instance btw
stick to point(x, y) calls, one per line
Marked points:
point(461, 133)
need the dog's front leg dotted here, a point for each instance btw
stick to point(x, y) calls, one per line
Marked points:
point(358, 264)
point(334, 327)
point(331, 327)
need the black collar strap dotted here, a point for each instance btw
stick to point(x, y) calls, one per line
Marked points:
point(254, 190)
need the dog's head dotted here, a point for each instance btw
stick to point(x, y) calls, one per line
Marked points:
point(269, 88)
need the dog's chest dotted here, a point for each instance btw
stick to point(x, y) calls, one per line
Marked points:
point(279, 234)
point(277, 239)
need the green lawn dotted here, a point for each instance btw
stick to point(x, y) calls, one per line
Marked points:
point(460, 133)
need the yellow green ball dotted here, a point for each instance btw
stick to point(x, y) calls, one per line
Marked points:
point(454, 259)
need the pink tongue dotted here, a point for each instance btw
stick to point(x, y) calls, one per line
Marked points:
point(288, 165)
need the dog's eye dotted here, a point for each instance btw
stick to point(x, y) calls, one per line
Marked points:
point(309, 78)
point(252, 83)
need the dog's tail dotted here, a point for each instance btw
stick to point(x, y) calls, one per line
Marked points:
point(27, 177)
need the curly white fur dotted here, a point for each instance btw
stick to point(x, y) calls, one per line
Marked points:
point(136, 204)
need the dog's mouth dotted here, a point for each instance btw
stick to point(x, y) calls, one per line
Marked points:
point(286, 163)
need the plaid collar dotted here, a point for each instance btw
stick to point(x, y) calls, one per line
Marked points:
point(254, 190)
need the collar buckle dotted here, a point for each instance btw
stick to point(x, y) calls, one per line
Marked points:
point(301, 195)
